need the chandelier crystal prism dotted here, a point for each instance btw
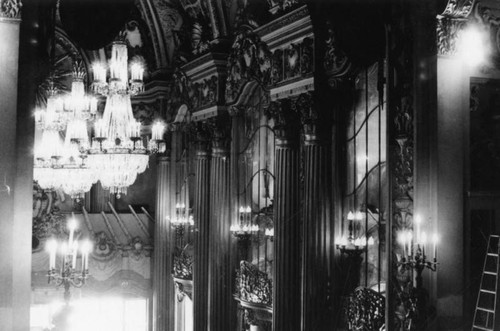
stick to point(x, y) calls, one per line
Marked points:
point(117, 151)
point(60, 165)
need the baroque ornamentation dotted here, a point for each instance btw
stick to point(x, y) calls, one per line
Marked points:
point(10, 9)
point(47, 220)
point(286, 120)
point(292, 61)
point(448, 31)
point(253, 285)
point(335, 61)
point(458, 8)
point(401, 157)
point(183, 264)
point(249, 60)
point(366, 310)
point(104, 247)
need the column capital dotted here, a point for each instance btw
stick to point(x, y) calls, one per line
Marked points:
point(10, 10)
point(200, 133)
point(286, 122)
point(220, 132)
point(306, 108)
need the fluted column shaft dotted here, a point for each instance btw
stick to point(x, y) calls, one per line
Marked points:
point(286, 276)
point(202, 235)
point(317, 241)
point(220, 267)
point(163, 286)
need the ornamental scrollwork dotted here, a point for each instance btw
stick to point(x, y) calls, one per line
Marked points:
point(105, 248)
point(249, 60)
point(10, 8)
point(448, 32)
point(253, 285)
point(47, 220)
point(335, 61)
point(365, 310)
point(183, 264)
point(458, 8)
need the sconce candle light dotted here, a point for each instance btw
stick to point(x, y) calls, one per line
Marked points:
point(67, 273)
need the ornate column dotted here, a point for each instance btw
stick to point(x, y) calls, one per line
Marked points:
point(220, 294)
point(317, 228)
point(287, 273)
point(163, 286)
point(16, 163)
point(202, 228)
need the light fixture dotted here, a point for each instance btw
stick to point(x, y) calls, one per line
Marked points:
point(244, 227)
point(117, 152)
point(353, 244)
point(66, 270)
point(61, 165)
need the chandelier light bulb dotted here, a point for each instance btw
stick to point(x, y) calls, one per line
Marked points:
point(359, 216)
point(350, 216)
point(136, 71)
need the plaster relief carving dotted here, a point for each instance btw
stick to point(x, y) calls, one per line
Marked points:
point(10, 8)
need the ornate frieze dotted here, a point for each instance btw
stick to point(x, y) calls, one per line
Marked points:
point(250, 60)
point(10, 9)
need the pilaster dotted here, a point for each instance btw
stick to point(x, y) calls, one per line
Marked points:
point(202, 229)
point(287, 273)
point(163, 286)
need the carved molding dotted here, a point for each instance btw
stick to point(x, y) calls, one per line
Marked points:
point(10, 9)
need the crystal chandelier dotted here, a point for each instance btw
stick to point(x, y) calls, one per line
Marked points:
point(117, 151)
point(58, 164)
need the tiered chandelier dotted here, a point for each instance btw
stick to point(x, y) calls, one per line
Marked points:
point(58, 164)
point(117, 152)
